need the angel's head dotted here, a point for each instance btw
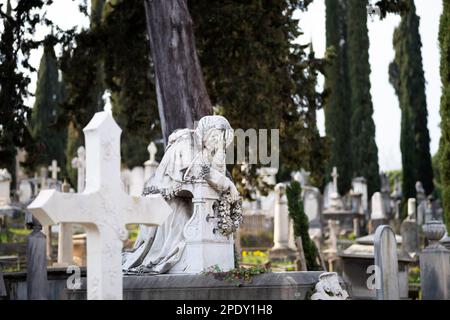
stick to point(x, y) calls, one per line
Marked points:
point(214, 132)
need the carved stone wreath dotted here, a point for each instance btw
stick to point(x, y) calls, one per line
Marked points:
point(228, 214)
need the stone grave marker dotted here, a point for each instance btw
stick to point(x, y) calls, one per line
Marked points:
point(283, 245)
point(137, 181)
point(311, 205)
point(385, 250)
point(37, 282)
point(79, 163)
point(435, 264)
point(359, 185)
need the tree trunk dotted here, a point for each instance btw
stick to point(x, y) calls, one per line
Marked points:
point(180, 88)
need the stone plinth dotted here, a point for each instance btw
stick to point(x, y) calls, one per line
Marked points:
point(205, 246)
point(271, 286)
point(435, 273)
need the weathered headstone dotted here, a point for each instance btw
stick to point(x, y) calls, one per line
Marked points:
point(151, 164)
point(410, 236)
point(5, 187)
point(25, 191)
point(137, 181)
point(378, 215)
point(412, 209)
point(359, 185)
point(435, 264)
point(282, 225)
point(103, 209)
point(79, 163)
point(311, 205)
point(385, 251)
point(37, 282)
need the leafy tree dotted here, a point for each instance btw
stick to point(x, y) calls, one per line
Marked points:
point(15, 47)
point(444, 150)
point(364, 147)
point(407, 77)
point(258, 78)
point(301, 224)
point(46, 110)
point(274, 79)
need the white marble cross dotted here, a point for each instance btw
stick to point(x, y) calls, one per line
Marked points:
point(54, 169)
point(103, 208)
point(79, 163)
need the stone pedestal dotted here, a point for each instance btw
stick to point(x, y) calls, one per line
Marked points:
point(37, 284)
point(435, 264)
point(435, 274)
point(205, 246)
point(270, 286)
point(410, 236)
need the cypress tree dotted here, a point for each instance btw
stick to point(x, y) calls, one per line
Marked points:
point(46, 110)
point(15, 47)
point(407, 77)
point(444, 42)
point(364, 148)
point(337, 106)
point(301, 224)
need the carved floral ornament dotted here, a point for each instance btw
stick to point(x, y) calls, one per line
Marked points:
point(329, 288)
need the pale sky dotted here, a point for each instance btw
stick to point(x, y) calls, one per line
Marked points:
point(386, 109)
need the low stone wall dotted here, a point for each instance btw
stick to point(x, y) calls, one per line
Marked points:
point(16, 284)
point(270, 286)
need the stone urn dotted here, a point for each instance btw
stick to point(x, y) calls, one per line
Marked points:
point(434, 231)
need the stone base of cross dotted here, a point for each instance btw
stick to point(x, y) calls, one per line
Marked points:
point(103, 208)
point(205, 247)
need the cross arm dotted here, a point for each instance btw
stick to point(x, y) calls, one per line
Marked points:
point(52, 207)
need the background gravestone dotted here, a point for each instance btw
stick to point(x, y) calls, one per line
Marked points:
point(387, 262)
point(37, 283)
